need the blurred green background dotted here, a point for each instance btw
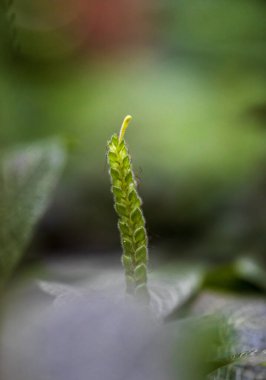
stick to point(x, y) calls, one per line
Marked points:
point(192, 74)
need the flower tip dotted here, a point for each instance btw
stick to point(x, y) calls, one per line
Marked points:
point(124, 126)
point(127, 119)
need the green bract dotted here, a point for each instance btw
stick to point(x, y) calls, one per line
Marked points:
point(131, 221)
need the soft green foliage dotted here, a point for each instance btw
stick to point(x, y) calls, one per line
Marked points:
point(131, 222)
point(7, 7)
point(27, 178)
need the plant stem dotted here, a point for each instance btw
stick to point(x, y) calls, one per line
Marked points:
point(131, 222)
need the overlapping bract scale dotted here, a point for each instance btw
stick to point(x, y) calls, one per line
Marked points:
point(131, 222)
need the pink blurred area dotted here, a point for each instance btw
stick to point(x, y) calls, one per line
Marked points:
point(114, 23)
point(89, 26)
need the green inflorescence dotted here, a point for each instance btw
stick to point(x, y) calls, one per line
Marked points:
point(131, 222)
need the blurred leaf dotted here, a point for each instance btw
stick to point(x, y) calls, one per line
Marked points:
point(27, 179)
point(62, 293)
point(197, 342)
point(251, 271)
point(225, 334)
point(249, 366)
point(243, 353)
point(242, 276)
point(172, 288)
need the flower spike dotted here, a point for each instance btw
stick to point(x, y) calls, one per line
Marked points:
point(131, 222)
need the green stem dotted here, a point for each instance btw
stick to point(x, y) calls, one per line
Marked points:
point(131, 222)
